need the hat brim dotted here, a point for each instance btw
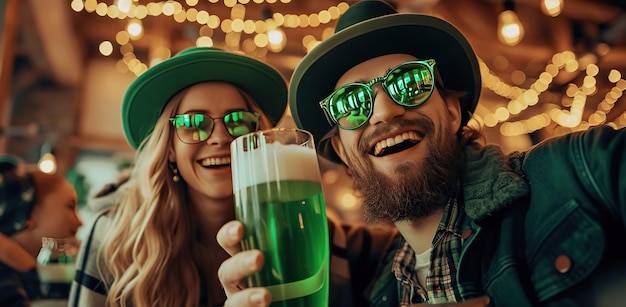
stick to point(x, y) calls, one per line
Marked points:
point(425, 37)
point(150, 92)
point(9, 160)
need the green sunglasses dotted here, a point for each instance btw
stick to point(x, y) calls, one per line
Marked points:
point(192, 128)
point(409, 84)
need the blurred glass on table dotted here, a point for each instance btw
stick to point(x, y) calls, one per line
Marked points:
point(56, 266)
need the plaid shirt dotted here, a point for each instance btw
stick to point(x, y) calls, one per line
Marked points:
point(441, 280)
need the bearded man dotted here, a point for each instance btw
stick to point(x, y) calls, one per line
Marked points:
point(534, 228)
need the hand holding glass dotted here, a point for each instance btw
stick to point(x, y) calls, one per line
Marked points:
point(278, 198)
point(56, 266)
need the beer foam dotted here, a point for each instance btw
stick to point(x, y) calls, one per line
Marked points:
point(287, 162)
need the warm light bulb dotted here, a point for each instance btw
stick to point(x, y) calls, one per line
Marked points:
point(124, 5)
point(48, 163)
point(276, 38)
point(552, 7)
point(134, 28)
point(348, 201)
point(105, 48)
point(510, 29)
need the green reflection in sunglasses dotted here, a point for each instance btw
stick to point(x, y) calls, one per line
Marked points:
point(193, 127)
point(409, 84)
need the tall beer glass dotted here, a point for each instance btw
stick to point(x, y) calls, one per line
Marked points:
point(278, 198)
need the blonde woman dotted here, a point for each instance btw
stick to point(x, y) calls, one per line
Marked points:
point(157, 246)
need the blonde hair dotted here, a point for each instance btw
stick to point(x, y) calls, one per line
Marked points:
point(147, 251)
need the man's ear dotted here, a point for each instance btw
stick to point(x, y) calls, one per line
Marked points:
point(453, 104)
point(338, 147)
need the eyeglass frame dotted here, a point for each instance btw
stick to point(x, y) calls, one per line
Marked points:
point(172, 120)
point(429, 63)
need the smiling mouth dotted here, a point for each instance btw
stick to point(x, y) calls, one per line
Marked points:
point(215, 162)
point(396, 144)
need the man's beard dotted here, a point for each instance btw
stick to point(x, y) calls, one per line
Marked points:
point(414, 189)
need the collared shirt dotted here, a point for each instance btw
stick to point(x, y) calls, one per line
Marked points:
point(446, 252)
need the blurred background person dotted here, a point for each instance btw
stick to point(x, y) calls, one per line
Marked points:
point(32, 205)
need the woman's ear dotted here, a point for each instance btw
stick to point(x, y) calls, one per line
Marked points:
point(30, 224)
point(171, 156)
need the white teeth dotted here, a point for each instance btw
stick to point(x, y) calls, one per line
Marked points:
point(215, 161)
point(410, 135)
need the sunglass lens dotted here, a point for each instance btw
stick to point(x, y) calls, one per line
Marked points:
point(351, 105)
point(410, 84)
point(193, 128)
point(241, 122)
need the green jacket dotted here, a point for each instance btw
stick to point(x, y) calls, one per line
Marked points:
point(547, 225)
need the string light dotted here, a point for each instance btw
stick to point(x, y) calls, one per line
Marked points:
point(276, 38)
point(568, 115)
point(105, 48)
point(135, 29)
point(265, 34)
point(123, 5)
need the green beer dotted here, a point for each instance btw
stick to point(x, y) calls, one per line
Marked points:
point(290, 211)
point(278, 198)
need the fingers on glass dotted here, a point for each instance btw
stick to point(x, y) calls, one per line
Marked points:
point(194, 127)
point(409, 84)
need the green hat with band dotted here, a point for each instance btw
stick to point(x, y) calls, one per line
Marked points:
point(148, 94)
point(370, 29)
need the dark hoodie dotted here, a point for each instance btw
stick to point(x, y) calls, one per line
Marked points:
point(17, 198)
